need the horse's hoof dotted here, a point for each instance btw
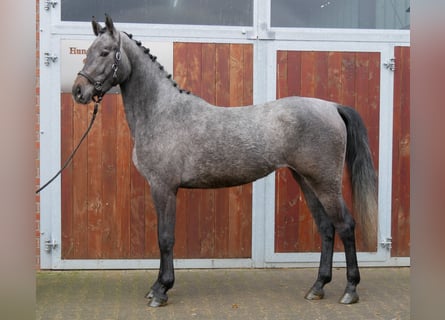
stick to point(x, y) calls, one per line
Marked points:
point(149, 295)
point(156, 302)
point(314, 294)
point(349, 298)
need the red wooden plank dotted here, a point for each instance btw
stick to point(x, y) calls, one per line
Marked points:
point(123, 182)
point(305, 231)
point(181, 224)
point(111, 231)
point(401, 158)
point(245, 250)
point(321, 75)
point(95, 196)
point(286, 215)
point(307, 73)
point(207, 224)
point(194, 67)
point(208, 72)
point(334, 76)
point(348, 79)
point(137, 214)
point(234, 221)
point(180, 65)
point(80, 184)
point(236, 83)
point(372, 123)
point(151, 247)
point(248, 74)
point(294, 73)
point(192, 212)
point(222, 224)
point(282, 69)
point(222, 71)
point(361, 84)
point(67, 176)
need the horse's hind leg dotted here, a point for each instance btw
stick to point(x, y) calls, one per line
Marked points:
point(345, 228)
point(327, 231)
point(336, 212)
point(165, 202)
point(344, 225)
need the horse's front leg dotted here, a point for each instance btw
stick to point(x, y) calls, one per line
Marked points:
point(164, 199)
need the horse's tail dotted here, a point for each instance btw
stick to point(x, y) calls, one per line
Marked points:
point(363, 175)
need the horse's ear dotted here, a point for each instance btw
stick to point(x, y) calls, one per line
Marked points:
point(109, 24)
point(96, 26)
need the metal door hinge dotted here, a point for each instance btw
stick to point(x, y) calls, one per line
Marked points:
point(391, 64)
point(49, 57)
point(50, 245)
point(386, 243)
point(49, 4)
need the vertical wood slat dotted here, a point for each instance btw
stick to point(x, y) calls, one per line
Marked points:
point(400, 227)
point(67, 178)
point(123, 178)
point(80, 184)
point(345, 77)
point(112, 214)
point(95, 177)
point(111, 230)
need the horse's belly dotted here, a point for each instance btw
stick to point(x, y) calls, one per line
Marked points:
point(226, 178)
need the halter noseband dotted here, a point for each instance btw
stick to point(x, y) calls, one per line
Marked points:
point(98, 85)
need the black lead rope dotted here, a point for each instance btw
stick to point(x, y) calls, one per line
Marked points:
point(96, 108)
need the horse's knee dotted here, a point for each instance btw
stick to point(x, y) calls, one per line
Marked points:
point(166, 242)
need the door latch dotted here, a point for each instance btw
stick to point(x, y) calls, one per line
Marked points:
point(49, 57)
point(386, 243)
point(390, 65)
point(50, 245)
point(49, 4)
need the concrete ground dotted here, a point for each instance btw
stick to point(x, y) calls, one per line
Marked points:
point(220, 294)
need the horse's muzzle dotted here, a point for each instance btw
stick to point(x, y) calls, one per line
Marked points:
point(82, 90)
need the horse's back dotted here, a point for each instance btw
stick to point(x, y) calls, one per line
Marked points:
point(238, 145)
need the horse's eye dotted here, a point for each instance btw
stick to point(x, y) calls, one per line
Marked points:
point(104, 53)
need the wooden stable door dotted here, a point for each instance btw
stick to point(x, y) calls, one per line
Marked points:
point(349, 78)
point(107, 212)
point(400, 219)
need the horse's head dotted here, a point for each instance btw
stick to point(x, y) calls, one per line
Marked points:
point(103, 64)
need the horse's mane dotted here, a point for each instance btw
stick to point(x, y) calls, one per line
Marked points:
point(155, 61)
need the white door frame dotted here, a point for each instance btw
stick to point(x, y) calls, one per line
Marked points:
point(266, 41)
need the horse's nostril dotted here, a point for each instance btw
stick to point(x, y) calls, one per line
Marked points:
point(77, 91)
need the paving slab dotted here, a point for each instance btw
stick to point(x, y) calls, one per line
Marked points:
point(220, 294)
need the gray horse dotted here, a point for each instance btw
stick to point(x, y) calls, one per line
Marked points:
point(181, 141)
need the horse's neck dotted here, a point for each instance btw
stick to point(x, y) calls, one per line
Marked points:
point(146, 85)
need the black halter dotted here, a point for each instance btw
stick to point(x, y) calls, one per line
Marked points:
point(98, 85)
